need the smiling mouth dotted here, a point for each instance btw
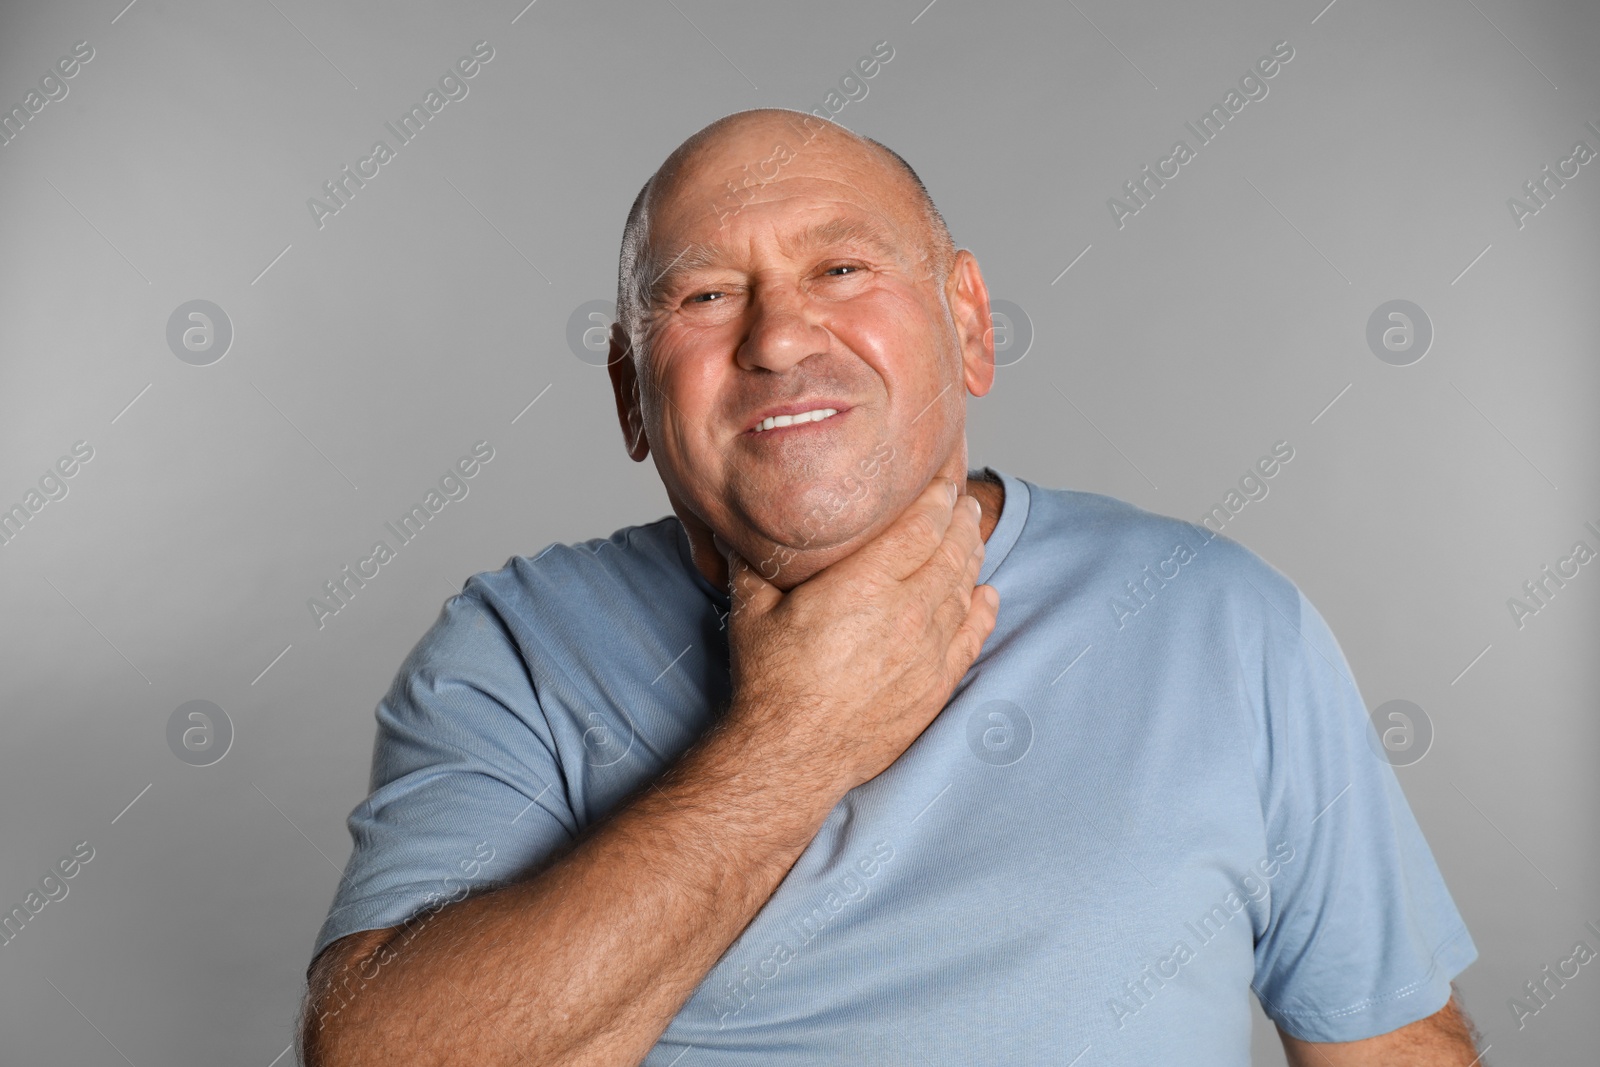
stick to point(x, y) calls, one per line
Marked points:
point(803, 418)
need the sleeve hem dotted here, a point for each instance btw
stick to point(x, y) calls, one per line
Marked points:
point(377, 912)
point(1387, 1012)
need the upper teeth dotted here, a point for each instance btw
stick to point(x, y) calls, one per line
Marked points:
point(815, 415)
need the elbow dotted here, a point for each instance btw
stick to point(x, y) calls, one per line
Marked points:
point(318, 1037)
point(337, 987)
point(329, 1036)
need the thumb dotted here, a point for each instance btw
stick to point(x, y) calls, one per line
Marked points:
point(746, 587)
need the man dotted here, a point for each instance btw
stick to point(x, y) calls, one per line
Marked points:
point(778, 781)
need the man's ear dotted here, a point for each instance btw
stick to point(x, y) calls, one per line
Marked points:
point(625, 384)
point(968, 298)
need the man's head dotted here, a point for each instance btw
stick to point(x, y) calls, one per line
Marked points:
point(777, 261)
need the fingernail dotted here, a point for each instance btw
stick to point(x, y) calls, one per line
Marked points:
point(955, 494)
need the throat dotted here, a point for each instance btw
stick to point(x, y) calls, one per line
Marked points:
point(992, 495)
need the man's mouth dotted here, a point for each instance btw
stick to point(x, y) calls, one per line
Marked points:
point(800, 418)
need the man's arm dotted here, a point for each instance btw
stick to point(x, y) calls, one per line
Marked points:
point(1444, 1039)
point(587, 961)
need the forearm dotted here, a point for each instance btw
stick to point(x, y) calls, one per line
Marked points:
point(1446, 1038)
point(587, 962)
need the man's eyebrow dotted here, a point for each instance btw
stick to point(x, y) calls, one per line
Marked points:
point(831, 232)
point(691, 258)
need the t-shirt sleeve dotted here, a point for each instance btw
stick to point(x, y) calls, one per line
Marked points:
point(1363, 937)
point(466, 790)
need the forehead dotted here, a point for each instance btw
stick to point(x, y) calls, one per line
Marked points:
point(769, 185)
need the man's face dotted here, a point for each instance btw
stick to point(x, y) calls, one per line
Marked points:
point(812, 291)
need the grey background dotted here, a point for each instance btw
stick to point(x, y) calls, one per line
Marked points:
point(369, 354)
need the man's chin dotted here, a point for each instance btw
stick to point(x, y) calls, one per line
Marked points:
point(795, 546)
point(805, 521)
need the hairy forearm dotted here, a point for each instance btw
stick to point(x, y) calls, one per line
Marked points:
point(588, 961)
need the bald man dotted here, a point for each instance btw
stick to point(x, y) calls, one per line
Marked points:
point(854, 759)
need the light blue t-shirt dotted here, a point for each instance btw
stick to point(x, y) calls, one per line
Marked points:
point(1152, 794)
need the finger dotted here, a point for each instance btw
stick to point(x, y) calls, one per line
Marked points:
point(948, 564)
point(967, 643)
point(747, 589)
point(954, 601)
point(899, 551)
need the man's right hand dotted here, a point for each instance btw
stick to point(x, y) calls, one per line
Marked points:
point(844, 671)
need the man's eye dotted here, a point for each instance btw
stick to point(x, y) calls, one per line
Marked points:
point(835, 270)
point(703, 298)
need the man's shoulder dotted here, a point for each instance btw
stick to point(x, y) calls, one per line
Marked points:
point(566, 595)
point(630, 555)
point(1095, 534)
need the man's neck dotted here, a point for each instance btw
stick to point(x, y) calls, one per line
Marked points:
point(991, 495)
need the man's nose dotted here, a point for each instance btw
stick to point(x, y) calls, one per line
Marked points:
point(783, 330)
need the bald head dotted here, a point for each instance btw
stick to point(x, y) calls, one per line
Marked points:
point(767, 139)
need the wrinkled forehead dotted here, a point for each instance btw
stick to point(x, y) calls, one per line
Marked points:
point(782, 178)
